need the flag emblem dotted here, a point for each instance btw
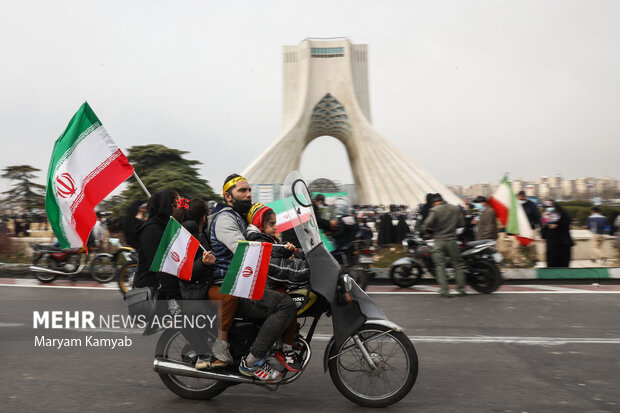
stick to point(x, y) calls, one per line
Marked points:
point(175, 257)
point(66, 186)
point(248, 269)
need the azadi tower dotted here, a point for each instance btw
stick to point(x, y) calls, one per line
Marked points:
point(326, 94)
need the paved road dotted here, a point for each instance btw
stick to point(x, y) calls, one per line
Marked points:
point(529, 349)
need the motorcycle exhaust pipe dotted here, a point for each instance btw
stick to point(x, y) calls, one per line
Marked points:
point(163, 366)
point(47, 270)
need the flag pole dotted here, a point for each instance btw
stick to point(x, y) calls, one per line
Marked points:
point(146, 191)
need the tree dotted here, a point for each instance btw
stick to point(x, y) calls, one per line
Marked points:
point(161, 167)
point(25, 194)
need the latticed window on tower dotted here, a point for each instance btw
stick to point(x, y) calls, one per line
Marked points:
point(323, 52)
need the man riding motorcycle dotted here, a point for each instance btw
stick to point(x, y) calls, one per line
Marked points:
point(228, 226)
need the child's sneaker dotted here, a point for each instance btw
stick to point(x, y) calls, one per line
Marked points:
point(262, 370)
point(289, 360)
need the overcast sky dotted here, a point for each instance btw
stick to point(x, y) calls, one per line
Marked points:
point(468, 89)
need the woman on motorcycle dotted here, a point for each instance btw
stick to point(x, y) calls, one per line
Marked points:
point(160, 206)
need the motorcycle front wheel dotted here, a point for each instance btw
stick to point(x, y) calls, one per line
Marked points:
point(173, 345)
point(395, 372)
point(125, 277)
point(45, 262)
point(406, 275)
point(484, 276)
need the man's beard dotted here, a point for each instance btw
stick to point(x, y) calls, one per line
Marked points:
point(241, 207)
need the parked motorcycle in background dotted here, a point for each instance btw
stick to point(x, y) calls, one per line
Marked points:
point(480, 263)
point(49, 262)
point(356, 260)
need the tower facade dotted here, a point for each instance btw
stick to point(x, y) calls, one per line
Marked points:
point(325, 93)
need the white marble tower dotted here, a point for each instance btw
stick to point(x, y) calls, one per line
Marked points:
point(325, 93)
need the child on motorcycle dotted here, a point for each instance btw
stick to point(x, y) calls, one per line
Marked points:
point(284, 269)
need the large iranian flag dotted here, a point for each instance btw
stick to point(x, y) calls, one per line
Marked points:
point(511, 213)
point(247, 273)
point(176, 251)
point(86, 166)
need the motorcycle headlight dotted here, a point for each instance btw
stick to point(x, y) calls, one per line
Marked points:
point(498, 258)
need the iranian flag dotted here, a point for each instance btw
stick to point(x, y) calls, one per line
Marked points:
point(286, 213)
point(86, 166)
point(247, 273)
point(176, 251)
point(511, 213)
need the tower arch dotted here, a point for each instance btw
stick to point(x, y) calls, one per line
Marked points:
point(325, 93)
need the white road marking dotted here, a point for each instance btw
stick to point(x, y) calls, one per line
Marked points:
point(545, 341)
point(540, 341)
point(3, 324)
point(567, 291)
point(546, 287)
point(427, 289)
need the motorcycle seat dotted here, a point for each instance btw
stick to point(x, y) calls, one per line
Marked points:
point(46, 247)
point(474, 244)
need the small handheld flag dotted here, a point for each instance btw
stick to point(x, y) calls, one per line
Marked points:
point(247, 274)
point(176, 251)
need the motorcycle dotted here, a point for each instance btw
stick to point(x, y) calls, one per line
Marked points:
point(127, 272)
point(479, 259)
point(50, 261)
point(366, 348)
point(356, 259)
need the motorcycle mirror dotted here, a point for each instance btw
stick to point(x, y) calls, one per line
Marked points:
point(298, 192)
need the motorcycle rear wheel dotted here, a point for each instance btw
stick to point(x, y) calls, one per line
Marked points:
point(406, 275)
point(484, 277)
point(103, 268)
point(45, 262)
point(172, 345)
point(396, 369)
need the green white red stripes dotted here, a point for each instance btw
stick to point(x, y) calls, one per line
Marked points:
point(176, 251)
point(286, 218)
point(511, 213)
point(86, 166)
point(247, 273)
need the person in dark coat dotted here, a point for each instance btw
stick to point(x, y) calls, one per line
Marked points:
point(386, 230)
point(402, 228)
point(556, 231)
point(160, 206)
point(132, 222)
point(530, 208)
